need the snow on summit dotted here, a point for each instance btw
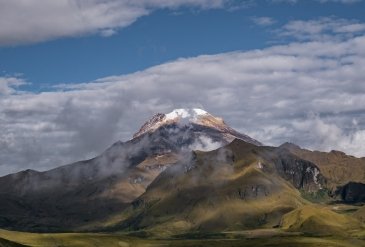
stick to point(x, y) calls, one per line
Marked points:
point(183, 116)
point(192, 118)
point(185, 113)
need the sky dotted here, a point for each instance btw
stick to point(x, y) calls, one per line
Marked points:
point(77, 76)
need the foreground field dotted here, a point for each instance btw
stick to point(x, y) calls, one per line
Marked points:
point(246, 238)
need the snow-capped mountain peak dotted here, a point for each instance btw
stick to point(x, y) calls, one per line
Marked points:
point(182, 116)
point(190, 118)
point(185, 113)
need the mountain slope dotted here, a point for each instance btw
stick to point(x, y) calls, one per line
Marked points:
point(317, 220)
point(345, 174)
point(336, 166)
point(7, 243)
point(56, 200)
point(184, 171)
point(240, 186)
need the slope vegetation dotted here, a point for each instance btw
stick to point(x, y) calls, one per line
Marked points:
point(318, 220)
point(240, 186)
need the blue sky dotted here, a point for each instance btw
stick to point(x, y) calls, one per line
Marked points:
point(78, 75)
point(161, 36)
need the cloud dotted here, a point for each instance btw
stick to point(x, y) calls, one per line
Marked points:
point(325, 28)
point(263, 21)
point(329, 134)
point(33, 21)
point(311, 93)
point(205, 143)
point(8, 84)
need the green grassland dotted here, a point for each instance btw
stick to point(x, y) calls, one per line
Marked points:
point(7, 243)
point(245, 238)
point(309, 225)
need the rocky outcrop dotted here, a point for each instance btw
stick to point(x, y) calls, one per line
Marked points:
point(301, 173)
point(338, 168)
point(352, 192)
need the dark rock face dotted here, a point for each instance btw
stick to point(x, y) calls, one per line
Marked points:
point(301, 173)
point(352, 192)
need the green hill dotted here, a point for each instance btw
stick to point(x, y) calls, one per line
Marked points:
point(318, 220)
point(238, 187)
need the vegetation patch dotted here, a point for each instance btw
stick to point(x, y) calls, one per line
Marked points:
point(319, 196)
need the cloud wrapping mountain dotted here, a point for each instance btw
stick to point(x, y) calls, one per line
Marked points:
point(310, 93)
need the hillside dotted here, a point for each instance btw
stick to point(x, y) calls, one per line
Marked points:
point(56, 200)
point(240, 186)
point(336, 166)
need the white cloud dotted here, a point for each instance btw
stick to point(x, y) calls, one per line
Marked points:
point(36, 20)
point(263, 21)
point(8, 84)
point(330, 136)
point(311, 93)
point(204, 143)
point(325, 28)
point(31, 21)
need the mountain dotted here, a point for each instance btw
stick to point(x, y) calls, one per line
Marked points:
point(345, 173)
point(202, 124)
point(239, 186)
point(56, 200)
point(188, 171)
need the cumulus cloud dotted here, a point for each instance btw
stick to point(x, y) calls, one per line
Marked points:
point(311, 93)
point(36, 20)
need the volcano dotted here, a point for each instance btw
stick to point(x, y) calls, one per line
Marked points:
point(186, 171)
point(56, 200)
